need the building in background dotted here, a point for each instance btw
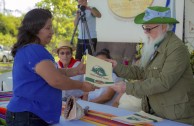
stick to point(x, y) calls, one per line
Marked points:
point(117, 31)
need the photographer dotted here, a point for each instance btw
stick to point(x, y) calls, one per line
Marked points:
point(90, 14)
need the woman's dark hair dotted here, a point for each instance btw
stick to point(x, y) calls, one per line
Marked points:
point(104, 52)
point(33, 21)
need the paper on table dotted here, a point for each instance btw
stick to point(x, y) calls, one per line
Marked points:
point(98, 72)
point(137, 118)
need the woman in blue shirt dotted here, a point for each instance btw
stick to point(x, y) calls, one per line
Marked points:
point(37, 82)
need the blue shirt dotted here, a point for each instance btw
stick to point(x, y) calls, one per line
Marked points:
point(31, 92)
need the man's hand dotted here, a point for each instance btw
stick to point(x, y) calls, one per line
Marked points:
point(119, 87)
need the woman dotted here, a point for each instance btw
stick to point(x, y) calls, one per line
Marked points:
point(66, 60)
point(103, 95)
point(65, 54)
point(37, 83)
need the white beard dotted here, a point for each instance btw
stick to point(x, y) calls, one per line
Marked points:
point(149, 49)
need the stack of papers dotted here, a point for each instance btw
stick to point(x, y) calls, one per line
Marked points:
point(137, 118)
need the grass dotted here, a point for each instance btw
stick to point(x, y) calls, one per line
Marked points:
point(5, 67)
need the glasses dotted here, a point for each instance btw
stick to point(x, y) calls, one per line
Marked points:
point(65, 53)
point(148, 29)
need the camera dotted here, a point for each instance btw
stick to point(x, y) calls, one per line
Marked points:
point(81, 7)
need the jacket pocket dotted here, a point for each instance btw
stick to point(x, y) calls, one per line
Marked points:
point(176, 111)
point(183, 108)
point(154, 71)
point(191, 98)
point(168, 112)
point(191, 101)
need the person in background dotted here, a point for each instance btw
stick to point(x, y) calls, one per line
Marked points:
point(37, 82)
point(90, 14)
point(167, 84)
point(66, 60)
point(104, 95)
point(65, 54)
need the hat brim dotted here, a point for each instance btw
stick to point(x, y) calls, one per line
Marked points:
point(62, 47)
point(159, 20)
point(66, 47)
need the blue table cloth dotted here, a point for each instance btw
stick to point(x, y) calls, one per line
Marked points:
point(110, 110)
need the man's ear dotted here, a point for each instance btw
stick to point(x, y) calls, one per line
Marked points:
point(164, 27)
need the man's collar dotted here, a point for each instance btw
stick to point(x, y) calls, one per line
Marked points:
point(164, 42)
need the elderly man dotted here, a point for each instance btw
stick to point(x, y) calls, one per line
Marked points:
point(167, 84)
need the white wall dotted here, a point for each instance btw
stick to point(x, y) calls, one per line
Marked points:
point(111, 28)
point(189, 23)
point(179, 14)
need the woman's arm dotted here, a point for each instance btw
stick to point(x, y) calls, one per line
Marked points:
point(47, 70)
point(94, 12)
point(78, 70)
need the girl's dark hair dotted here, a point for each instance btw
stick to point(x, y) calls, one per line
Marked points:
point(104, 52)
point(33, 21)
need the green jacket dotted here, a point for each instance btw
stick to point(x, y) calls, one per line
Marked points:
point(167, 81)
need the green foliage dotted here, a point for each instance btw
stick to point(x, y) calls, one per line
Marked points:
point(8, 29)
point(139, 47)
point(63, 16)
point(9, 24)
point(7, 40)
point(192, 60)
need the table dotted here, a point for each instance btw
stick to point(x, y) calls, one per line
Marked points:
point(111, 110)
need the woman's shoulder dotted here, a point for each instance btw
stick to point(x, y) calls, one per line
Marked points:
point(36, 51)
point(33, 45)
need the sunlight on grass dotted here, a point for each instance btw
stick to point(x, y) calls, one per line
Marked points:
point(5, 67)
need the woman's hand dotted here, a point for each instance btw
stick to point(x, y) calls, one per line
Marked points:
point(85, 96)
point(81, 68)
point(114, 62)
point(119, 87)
point(87, 87)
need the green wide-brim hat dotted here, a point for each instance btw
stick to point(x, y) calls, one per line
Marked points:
point(155, 15)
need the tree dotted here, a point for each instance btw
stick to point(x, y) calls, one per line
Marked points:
point(9, 24)
point(63, 12)
point(8, 29)
point(63, 15)
point(7, 40)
